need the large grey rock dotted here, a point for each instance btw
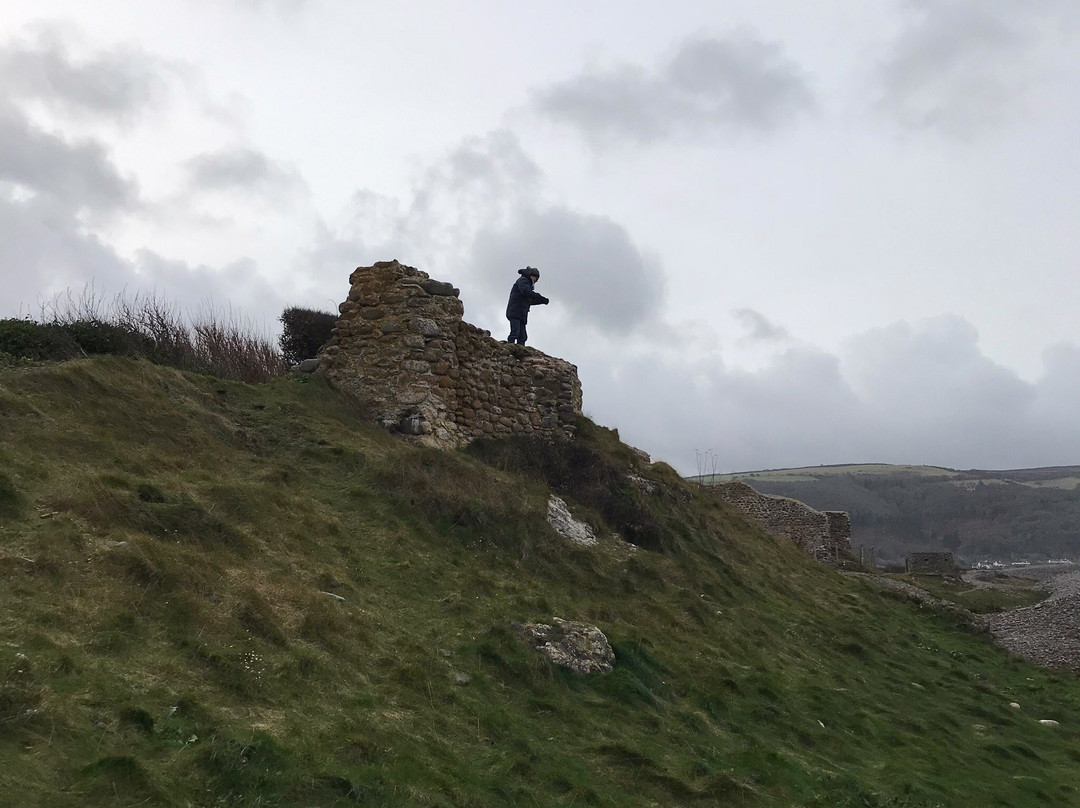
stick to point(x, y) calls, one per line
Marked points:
point(560, 518)
point(309, 365)
point(569, 644)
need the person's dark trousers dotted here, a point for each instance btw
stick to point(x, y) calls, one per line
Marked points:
point(517, 332)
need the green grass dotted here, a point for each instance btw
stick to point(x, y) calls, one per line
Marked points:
point(168, 540)
point(1007, 592)
point(809, 473)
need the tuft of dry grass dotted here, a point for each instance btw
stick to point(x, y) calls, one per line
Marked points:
point(214, 341)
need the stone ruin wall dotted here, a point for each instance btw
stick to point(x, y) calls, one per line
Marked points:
point(400, 343)
point(825, 535)
point(931, 564)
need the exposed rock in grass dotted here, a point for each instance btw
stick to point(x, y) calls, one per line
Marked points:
point(566, 525)
point(578, 646)
point(642, 484)
point(459, 678)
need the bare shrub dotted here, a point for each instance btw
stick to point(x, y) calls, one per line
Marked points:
point(146, 326)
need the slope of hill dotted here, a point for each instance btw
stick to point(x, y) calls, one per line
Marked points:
point(1022, 514)
point(214, 593)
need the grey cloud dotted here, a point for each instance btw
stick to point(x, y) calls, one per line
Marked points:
point(477, 216)
point(287, 6)
point(241, 168)
point(44, 250)
point(116, 85)
point(907, 393)
point(590, 267)
point(325, 265)
point(496, 161)
point(236, 291)
point(483, 183)
point(735, 83)
point(961, 66)
point(797, 410)
point(51, 191)
point(759, 328)
point(77, 174)
point(935, 371)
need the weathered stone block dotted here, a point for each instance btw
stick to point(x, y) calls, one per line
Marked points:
point(440, 288)
point(425, 326)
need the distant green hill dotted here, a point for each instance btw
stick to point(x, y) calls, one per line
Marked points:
point(221, 594)
point(1021, 514)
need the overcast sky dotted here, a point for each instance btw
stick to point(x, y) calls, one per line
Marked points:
point(790, 233)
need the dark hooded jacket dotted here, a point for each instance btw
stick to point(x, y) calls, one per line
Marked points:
point(522, 297)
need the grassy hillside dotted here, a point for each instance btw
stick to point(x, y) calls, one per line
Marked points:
point(214, 593)
point(1022, 514)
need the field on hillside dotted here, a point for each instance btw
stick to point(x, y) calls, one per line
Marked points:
point(1015, 515)
point(818, 472)
point(223, 594)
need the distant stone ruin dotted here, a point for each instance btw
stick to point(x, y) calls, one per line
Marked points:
point(401, 344)
point(825, 535)
point(932, 564)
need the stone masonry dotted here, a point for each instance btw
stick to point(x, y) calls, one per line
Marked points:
point(400, 343)
point(825, 535)
point(932, 564)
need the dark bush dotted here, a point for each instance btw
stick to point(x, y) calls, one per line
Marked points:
point(37, 341)
point(305, 332)
point(95, 336)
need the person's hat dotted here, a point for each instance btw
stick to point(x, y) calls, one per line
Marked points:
point(532, 272)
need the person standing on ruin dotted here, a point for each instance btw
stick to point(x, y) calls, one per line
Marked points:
point(522, 297)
